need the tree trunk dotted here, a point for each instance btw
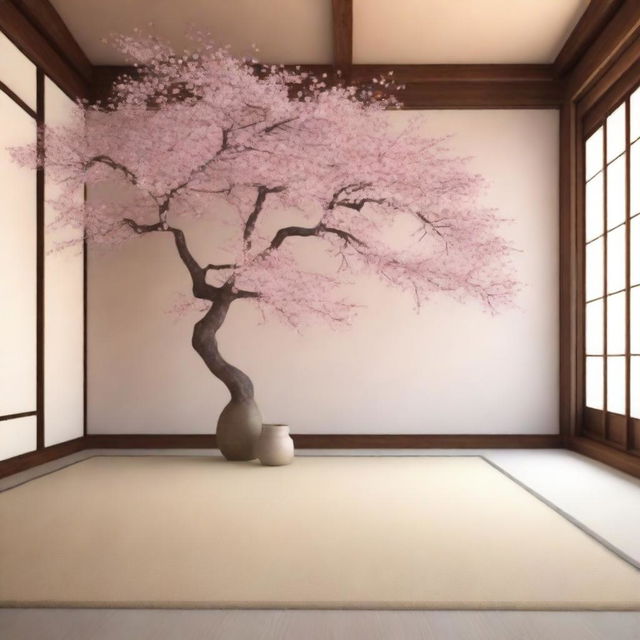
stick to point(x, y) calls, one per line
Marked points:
point(240, 422)
point(205, 343)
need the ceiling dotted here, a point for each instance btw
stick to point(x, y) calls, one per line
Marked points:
point(299, 31)
point(462, 31)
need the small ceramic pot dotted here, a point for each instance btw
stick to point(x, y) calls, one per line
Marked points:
point(275, 446)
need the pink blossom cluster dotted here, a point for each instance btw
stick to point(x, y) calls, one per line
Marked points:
point(190, 133)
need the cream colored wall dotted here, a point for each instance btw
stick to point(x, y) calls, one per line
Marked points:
point(450, 369)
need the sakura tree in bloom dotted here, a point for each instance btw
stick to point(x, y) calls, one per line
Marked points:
point(192, 131)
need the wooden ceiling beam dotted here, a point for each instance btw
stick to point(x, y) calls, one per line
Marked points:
point(431, 86)
point(342, 28)
point(38, 48)
point(48, 22)
point(618, 35)
point(592, 22)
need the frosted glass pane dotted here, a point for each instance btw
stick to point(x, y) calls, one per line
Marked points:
point(635, 251)
point(616, 132)
point(594, 153)
point(594, 383)
point(594, 269)
point(634, 196)
point(594, 207)
point(616, 267)
point(635, 387)
point(616, 193)
point(635, 321)
point(17, 265)
point(17, 436)
point(594, 328)
point(63, 304)
point(616, 385)
point(616, 324)
point(17, 71)
point(635, 114)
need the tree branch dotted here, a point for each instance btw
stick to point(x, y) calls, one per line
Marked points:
point(117, 166)
point(201, 288)
point(319, 230)
point(143, 228)
point(348, 188)
point(220, 267)
point(358, 204)
point(263, 191)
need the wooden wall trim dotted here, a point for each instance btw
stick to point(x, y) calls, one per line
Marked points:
point(48, 22)
point(342, 29)
point(34, 458)
point(618, 34)
point(150, 441)
point(18, 28)
point(302, 441)
point(335, 441)
point(621, 78)
point(627, 462)
point(568, 306)
point(592, 22)
point(40, 258)
point(432, 86)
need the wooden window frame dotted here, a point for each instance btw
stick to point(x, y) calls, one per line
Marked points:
point(621, 432)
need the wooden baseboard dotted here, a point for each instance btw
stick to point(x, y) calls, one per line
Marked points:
point(302, 441)
point(426, 441)
point(627, 462)
point(34, 458)
point(150, 441)
point(335, 441)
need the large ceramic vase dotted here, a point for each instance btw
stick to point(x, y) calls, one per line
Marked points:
point(238, 430)
point(275, 447)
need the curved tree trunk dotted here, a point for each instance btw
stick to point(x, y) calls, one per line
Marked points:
point(240, 422)
point(206, 345)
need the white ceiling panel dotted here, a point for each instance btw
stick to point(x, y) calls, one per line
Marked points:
point(462, 31)
point(286, 31)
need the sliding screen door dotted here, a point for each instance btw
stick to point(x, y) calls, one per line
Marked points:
point(18, 257)
point(612, 277)
point(63, 301)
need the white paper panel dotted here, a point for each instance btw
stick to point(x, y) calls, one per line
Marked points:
point(594, 153)
point(635, 115)
point(616, 384)
point(17, 265)
point(616, 192)
point(617, 324)
point(616, 259)
point(635, 321)
point(595, 383)
point(594, 269)
point(616, 132)
point(634, 179)
point(634, 408)
point(594, 328)
point(17, 436)
point(17, 71)
point(64, 299)
point(594, 207)
point(635, 251)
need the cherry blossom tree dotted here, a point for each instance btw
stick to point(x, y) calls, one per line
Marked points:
point(189, 132)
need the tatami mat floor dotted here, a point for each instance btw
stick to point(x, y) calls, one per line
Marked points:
point(605, 501)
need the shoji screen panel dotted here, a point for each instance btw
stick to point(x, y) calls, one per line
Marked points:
point(18, 257)
point(17, 72)
point(612, 277)
point(63, 302)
